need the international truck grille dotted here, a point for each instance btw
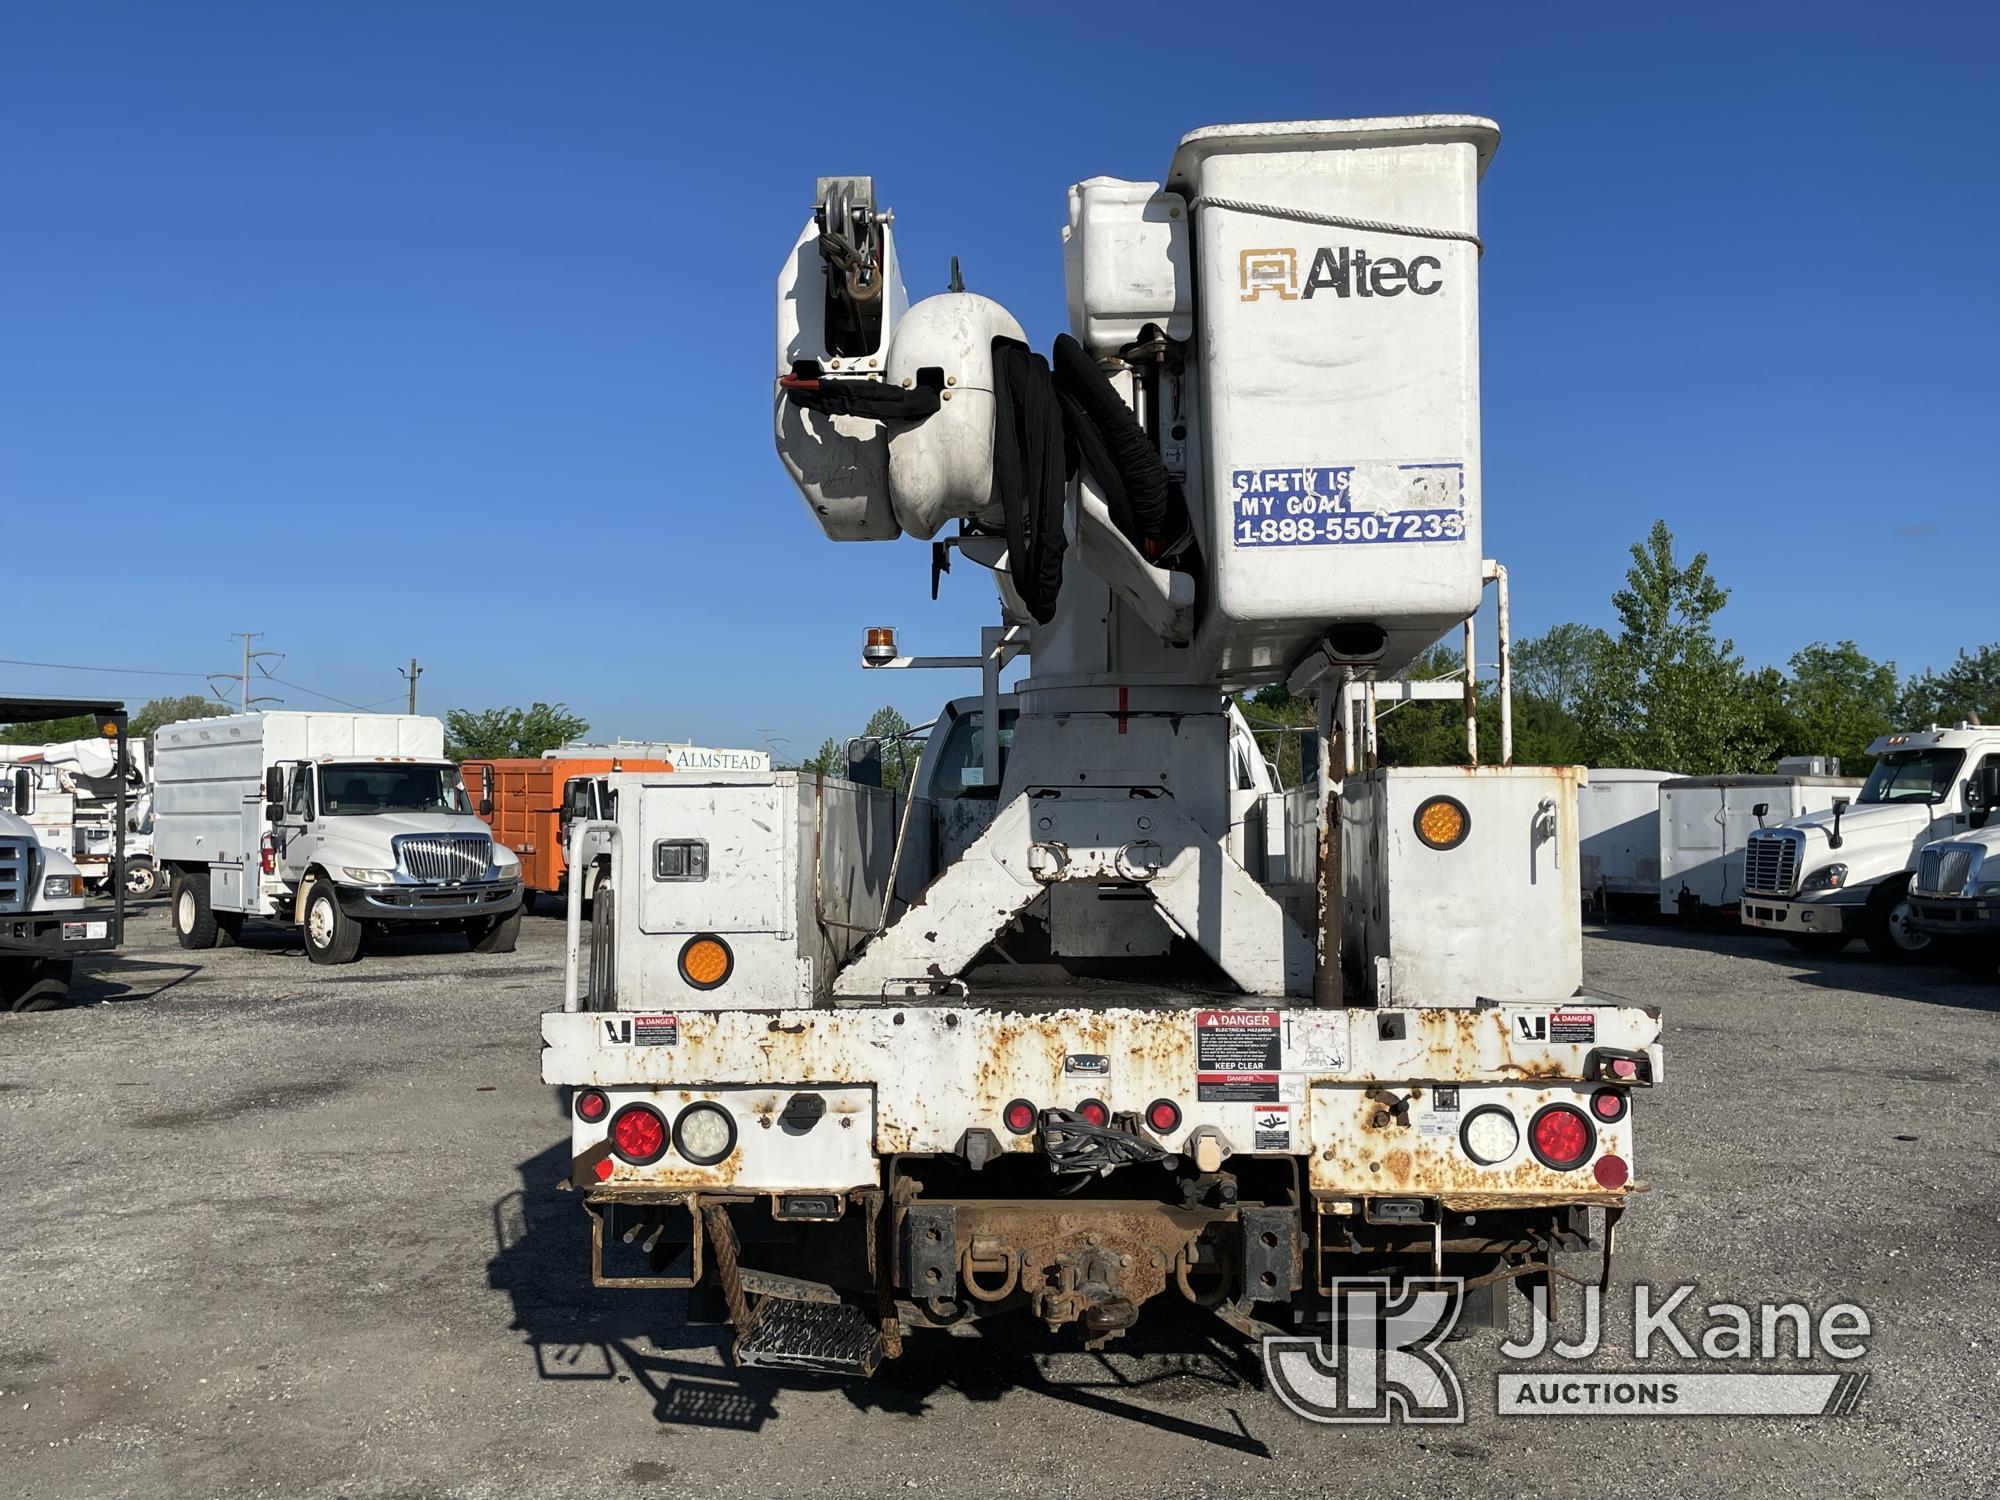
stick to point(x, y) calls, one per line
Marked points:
point(1771, 863)
point(445, 856)
point(1946, 871)
point(17, 873)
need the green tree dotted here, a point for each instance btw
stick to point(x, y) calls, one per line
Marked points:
point(508, 733)
point(1837, 702)
point(829, 760)
point(1968, 688)
point(1671, 694)
point(174, 710)
point(1555, 673)
point(49, 731)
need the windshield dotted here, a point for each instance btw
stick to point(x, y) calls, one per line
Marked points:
point(357, 791)
point(1912, 776)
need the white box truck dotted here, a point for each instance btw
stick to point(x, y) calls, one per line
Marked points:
point(1706, 823)
point(330, 822)
point(1826, 878)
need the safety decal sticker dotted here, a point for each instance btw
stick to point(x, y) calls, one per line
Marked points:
point(1237, 1056)
point(1272, 1128)
point(1348, 504)
point(656, 1031)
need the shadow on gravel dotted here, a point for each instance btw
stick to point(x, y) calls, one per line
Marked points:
point(577, 1332)
point(1852, 970)
point(119, 980)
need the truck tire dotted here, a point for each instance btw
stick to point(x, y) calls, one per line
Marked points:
point(142, 879)
point(1819, 943)
point(494, 934)
point(194, 922)
point(332, 936)
point(1885, 923)
point(38, 984)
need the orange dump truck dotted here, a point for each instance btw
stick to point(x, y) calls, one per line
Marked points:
point(529, 805)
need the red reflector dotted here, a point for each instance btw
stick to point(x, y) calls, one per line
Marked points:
point(1094, 1112)
point(1562, 1137)
point(1611, 1171)
point(639, 1134)
point(1019, 1116)
point(592, 1106)
point(1624, 1067)
point(1163, 1115)
point(1608, 1104)
point(604, 1169)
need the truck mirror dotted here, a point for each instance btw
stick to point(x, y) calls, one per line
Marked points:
point(1984, 790)
point(274, 785)
point(485, 807)
point(274, 812)
point(24, 791)
point(1759, 811)
point(864, 762)
point(1840, 805)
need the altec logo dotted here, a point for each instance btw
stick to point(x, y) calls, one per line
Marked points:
point(1343, 271)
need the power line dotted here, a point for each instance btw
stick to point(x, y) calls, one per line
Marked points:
point(70, 666)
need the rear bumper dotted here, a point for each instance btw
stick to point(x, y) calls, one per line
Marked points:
point(59, 935)
point(429, 903)
point(1778, 914)
point(1956, 916)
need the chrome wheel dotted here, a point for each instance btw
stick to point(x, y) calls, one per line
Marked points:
point(319, 922)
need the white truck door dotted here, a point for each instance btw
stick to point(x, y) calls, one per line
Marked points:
point(713, 857)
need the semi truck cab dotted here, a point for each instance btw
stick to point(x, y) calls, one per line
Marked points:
point(1955, 884)
point(1823, 879)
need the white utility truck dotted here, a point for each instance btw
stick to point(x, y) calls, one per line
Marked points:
point(1360, 1044)
point(1955, 882)
point(79, 783)
point(1824, 878)
point(333, 822)
point(1706, 823)
point(46, 922)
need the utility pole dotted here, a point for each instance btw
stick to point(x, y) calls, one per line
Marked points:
point(246, 702)
point(411, 673)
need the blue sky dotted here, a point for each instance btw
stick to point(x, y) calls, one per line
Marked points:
point(446, 329)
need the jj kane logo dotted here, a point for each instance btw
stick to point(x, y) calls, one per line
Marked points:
point(1340, 270)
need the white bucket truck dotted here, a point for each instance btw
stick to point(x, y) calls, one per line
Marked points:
point(1955, 882)
point(333, 822)
point(1826, 878)
point(1362, 1047)
point(46, 923)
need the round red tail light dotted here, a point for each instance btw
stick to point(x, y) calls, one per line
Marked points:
point(1562, 1137)
point(592, 1106)
point(639, 1134)
point(1094, 1112)
point(1019, 1116)
point(1164, 1116)
point(1609, 1105)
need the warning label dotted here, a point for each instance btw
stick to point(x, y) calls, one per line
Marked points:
point(1273, 1128)
point(656, 1031)
point(1237, 1056)
point(1572, 1026)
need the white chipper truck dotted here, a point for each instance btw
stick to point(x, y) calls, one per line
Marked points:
point(335, 823)
point(46, 922)
point(1823, 879)
point(1115, 1047)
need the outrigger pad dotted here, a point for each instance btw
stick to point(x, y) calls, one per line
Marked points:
point(831, 1337)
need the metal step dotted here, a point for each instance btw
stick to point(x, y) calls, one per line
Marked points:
point(833, 1338)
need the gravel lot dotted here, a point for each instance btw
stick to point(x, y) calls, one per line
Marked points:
point(277, 1229)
